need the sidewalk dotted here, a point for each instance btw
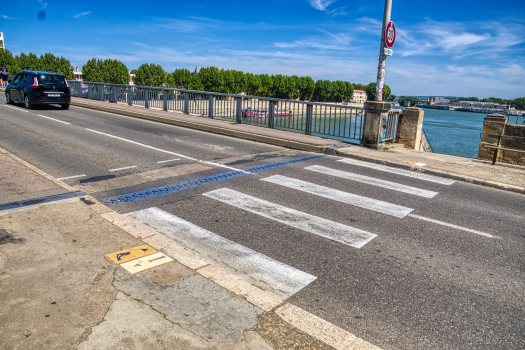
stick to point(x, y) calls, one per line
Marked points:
point(60, 290)
point(502, 176)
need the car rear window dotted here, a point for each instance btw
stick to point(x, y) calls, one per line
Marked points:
point(51, 79)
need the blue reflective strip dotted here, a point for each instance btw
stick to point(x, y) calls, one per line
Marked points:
point(180, 186)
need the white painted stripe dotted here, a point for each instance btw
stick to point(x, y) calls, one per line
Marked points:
point(260, 270)
point(72, 177)
point(321, 329)
point(128, 167)
point(322, 227)
point(163, 150)
point(453, 226)
point(225, 166)
point(169, 160)
point(340, 196)
point(18, 109)
point(60, 121)
point(140, 144)
point(372, 181)
point(406, 173)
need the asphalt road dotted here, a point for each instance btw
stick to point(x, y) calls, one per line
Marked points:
point(442, 265)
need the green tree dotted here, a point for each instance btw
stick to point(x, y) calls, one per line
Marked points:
point(359, 86)
point(266, 85)
point(239, 82)
point(282, 87)
point(295, 92)
point(518, 103)
point(322, 90)
point(196, 83)
point(228, 81)
point(180, 79)
point(6, 59)
point(211, 78)
point(107, 71)
point(349, 91)
point(338, 91)
point(253, 84)
point(411, 99)
point(306, 87)
point(150, 75)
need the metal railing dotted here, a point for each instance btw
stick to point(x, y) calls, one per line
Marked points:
point(424, 144)
point(391, 125)
point(334, 121)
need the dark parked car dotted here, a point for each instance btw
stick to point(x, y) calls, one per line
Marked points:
point(37, 88)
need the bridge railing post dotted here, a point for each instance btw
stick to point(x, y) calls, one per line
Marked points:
point(130, 96)
point(238, 115)
point(210, 106)
point(101, 92)
point(146, 98)
point(186, 103)
point(271, 114)
point(90, 91)
point(165, 95)
point(309, 120)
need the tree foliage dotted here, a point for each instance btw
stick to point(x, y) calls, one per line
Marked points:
point(306, 88)
point(46, 62)
point(180, 79)
point(322, 90)
point(150, 75)
point(106, 71)
point(518, 103)
point(411, 99)
point(253, 84)
point(371, 91)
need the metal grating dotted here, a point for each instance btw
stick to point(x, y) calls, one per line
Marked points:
point(180, 186)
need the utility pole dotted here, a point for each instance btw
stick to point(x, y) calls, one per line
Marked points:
point(382, 55)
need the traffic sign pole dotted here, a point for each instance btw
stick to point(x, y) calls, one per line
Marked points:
point(382, 57)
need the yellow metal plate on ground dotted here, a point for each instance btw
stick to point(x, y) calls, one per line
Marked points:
point(146, 262)
point(131, 254)
point(409, 162)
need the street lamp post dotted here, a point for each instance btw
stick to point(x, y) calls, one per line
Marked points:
point(382, 55)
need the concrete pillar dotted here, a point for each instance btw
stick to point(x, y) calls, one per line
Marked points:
point(493, 124)
point(410, 127)
point(376, 114)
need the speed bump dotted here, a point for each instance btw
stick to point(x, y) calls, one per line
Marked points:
point(131, 254)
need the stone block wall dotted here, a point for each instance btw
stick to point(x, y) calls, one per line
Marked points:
point(410, 127)
point(498, 124)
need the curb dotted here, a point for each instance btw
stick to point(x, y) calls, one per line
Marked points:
point(208, 128)
point(434, 172)
point(38, 171)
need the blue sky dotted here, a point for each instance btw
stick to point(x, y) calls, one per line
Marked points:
point(457, 48)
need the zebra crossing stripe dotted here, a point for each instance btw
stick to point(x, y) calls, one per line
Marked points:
point(335, 231)
point(406, 173)
point(373, 181)
point(340, 196)
point(259, 270)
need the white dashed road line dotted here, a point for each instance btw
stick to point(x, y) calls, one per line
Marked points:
point(453, 226)
point(71, 177)
point(169, 160)
point(60, 121)
point(373, 181)
point(397, 171)
point(18, 109)
point(335, 231)
point(340, 196)
point(125, 168)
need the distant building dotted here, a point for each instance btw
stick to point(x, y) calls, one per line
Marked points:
point(359, 96)
point(435, 100)
point(2, 44)
point(77, 74)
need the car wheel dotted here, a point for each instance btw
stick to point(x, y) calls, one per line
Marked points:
point(8, 98)
point(65, 106)
point(28, 104)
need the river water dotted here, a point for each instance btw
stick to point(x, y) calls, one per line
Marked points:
point(455, 133)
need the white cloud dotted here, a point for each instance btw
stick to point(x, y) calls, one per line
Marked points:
point(340, 11)
point(81, 14)
point(321, 5)
point(5, 17)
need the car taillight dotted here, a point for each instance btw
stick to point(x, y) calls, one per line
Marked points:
point(67, 85)
point(35, 83)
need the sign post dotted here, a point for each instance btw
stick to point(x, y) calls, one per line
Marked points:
point(388, 37)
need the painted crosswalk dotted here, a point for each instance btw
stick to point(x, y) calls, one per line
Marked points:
point(335, 231)
point(391, 170)
point(340, 196)
point(373, 181)
point(260, 270)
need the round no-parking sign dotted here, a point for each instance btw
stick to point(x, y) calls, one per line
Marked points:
point(390, 34)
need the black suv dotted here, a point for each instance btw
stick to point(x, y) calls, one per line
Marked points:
point(37, 88)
